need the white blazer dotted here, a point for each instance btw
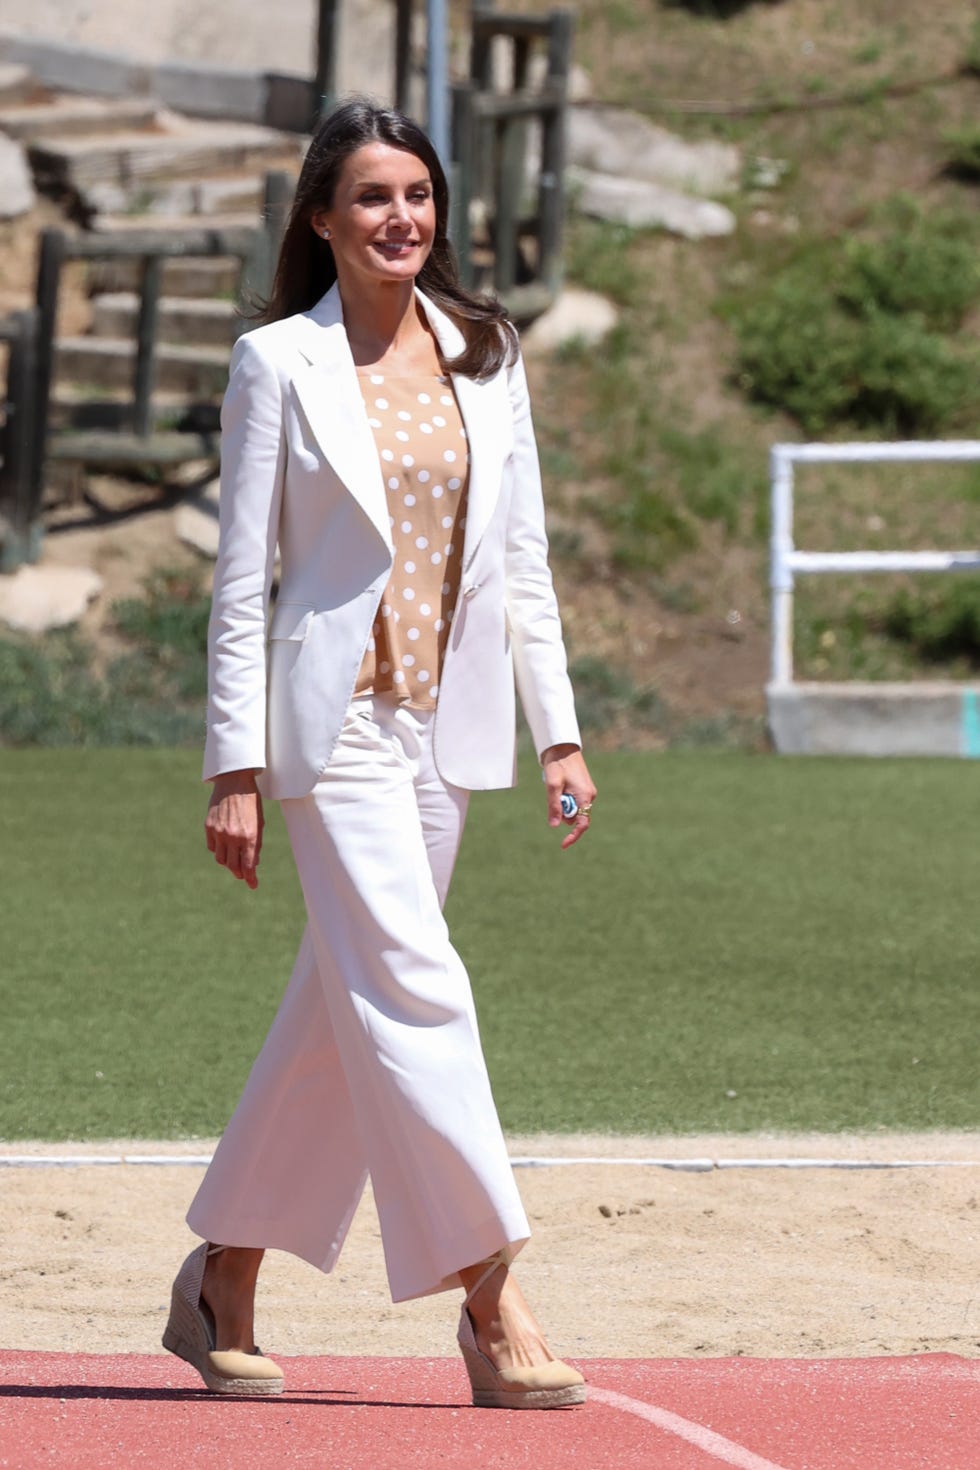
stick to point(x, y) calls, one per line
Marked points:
point(299, 467)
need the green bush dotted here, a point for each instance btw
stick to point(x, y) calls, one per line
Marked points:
point(964, 153)
point(53, 693)
point(597, 257)
point(926, 266)
point(971, 61)
point(862, 333)
point(712, 478)
point(169, 625)
point(940, 624)
point(604, 694)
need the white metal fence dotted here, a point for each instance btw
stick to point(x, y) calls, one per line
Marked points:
point(787, 561)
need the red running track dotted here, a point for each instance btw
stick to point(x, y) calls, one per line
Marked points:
point(89, 1412)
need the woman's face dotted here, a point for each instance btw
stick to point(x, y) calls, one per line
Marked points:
point(382, 220)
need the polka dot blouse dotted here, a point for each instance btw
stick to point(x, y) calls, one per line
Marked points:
point(425, 462)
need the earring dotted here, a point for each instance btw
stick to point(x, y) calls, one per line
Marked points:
point(326, 234)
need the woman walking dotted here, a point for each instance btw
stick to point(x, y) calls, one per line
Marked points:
point(377, 429)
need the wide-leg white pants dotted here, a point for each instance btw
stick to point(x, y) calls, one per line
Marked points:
point(373, 1064)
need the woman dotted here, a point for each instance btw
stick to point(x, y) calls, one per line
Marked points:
point(380, 434)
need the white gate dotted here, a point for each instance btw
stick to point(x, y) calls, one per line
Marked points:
point(787, 562)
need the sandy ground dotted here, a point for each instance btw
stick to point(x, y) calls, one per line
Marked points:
point(626, 1260)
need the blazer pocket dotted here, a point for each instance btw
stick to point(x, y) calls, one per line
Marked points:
point(290, 621)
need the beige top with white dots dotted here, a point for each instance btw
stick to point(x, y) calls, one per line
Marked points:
point(425, 462)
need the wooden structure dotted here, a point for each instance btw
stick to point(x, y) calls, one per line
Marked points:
point(507, 228)
point(19, 530)
point(524, 217)
point(128, 435)
point(519, 254)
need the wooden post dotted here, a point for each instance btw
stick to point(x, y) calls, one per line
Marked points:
point(146, 341)
point(510, 186)
point(326, 56)
point(462, 179)
point(19, 509)
point(51, 259)
point(403, 54)
point(551, 190)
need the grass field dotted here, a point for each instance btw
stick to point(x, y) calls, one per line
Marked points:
point(743, 942)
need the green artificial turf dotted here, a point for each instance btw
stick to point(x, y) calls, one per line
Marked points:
point(743, 942)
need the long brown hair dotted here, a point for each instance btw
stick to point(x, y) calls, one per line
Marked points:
point(306, 269)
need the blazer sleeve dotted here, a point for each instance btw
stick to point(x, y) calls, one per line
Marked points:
point(540, 662)
point(253, 460)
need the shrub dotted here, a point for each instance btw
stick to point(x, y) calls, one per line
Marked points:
point(604, 694)
point(964, 153)
point(597, 257)
point(926, 266)
point(152, 694)
point(971, 61)
point(53, 695)
point(863, 333)
point(940, 624)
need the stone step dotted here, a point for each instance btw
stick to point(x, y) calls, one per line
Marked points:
point(89, 115)
point(102, 362)
point(173, 224)
point(200, 322)
point(224, 194)
point(17, 83)
point(74, 407)
point(179, 149)
point(211, 276)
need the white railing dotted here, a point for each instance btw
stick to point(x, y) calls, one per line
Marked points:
point(786, 561)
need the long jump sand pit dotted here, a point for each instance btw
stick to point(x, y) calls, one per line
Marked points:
point(626, 1260)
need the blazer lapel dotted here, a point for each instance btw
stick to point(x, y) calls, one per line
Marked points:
point(327, 387)
point(481, 406)
point(328, 390)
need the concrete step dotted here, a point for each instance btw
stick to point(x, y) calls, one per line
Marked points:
point(89, 115)
point(179, 149)
point(75, 407)
point(201, 322)
point(17, 83)
point(95, 363)
point(173, 224)
point(223, 194)
point(212, 276)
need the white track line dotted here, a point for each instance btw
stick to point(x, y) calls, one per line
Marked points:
point(704, 1166)
point(691, 1166)
point(725, 1450)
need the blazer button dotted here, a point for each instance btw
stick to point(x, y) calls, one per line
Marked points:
point(470, 591)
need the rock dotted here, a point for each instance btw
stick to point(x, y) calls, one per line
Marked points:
point(582, 316)
point(16, 184)
point(35, 599)
point(612, 140)
point(16, 82)
point(196, 520)
point(643, 205)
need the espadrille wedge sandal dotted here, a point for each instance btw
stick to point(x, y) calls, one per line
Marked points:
point(190, 1335)
point(549, 1386)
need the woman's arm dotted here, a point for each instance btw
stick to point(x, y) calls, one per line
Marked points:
point(253, 458)
point(540, 661)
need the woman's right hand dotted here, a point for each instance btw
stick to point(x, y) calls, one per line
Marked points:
point(234, 824)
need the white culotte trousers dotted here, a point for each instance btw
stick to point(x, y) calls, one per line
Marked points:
point(373, 1064)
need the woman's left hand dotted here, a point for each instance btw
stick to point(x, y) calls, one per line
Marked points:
point(565, 770)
